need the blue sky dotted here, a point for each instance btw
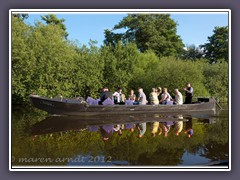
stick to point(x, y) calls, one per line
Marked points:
point(193, 28)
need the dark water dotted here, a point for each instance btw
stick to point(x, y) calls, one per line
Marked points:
point(119, 140)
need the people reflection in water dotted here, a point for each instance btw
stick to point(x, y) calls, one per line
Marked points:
point(189, 128)
point(155, 128)
point(92, 128)
point(141, 129)
point(129, 127)
point(179, 125)
point(166, 126)
point(106, 132)
point(118, 128)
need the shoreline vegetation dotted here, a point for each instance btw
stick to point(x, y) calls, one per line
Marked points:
point(45, 62)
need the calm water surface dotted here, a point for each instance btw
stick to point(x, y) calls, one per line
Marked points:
point(119, 140)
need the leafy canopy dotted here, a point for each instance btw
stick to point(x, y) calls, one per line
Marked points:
point(217, 47)
point(156, 32)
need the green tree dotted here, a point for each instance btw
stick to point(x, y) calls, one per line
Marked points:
point(216, 79)
point(155, 32)
point(119, 62)
point(52, 19)
point(192, 53)
point(21, 16)
point(217, 47)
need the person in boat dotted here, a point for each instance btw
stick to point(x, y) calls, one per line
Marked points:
point(153, 97)
point(165, 97)
point(105, 94)
point(188, 93)
point(178, 100)
point(132, 96)
point(119, 97)
point(141, 129)
point(142, 100)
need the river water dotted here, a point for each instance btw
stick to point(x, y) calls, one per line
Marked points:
point(128, 140)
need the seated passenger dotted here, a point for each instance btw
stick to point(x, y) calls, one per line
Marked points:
point(178, 100)
point(132, 96)
point(119, 97)
point(141, 97)
point(165, 97)
point(105, 94)
point(153, 96)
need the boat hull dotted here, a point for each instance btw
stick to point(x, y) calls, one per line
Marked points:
point(74, 107)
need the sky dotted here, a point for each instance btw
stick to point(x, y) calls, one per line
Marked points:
point(193, 28)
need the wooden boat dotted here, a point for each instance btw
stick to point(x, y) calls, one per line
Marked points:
point(75, 107)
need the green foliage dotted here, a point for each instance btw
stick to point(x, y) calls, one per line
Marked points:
point(216, 79)
point(53, 20)
point(192, 53)
point(156, 32)
point(217, 47)
point(169, 72)
point(44, 62)
point(118, 65)
point(21, 16)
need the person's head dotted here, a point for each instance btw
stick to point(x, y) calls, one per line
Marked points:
point(188, 84)
point(176, 91)
point(153, 89)
point(140, 90)
point(140, 136)
point(132, 91)
point(105, 89)
point(132, 129)
point(119, 89)
point(165, 90)
point(190, 133)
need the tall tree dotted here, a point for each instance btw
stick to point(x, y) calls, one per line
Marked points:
point(192, 53)
point(52, 19)
point(21, 16)
point(217, 47)
point(156, 32)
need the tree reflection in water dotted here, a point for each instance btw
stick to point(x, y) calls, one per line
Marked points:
point(134, 141)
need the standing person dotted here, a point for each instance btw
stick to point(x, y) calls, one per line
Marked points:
point(141, 97)
point(118, 96)
point(105, 94)
point(132, 96)
point(178, 97)
point(153, 96)
point(188, 94)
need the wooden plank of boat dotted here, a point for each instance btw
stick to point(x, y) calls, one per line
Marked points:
point(74, 107)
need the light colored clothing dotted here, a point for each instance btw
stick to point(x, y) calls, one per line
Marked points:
point(179, 126)
point(179, 98)
point(155, 127)
point(142, 128)
point(166, 97)
point(120, 97)
point(143, 99)
point(153, 96)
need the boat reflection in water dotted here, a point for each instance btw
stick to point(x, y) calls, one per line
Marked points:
point(110, 124)
point(140, 139)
